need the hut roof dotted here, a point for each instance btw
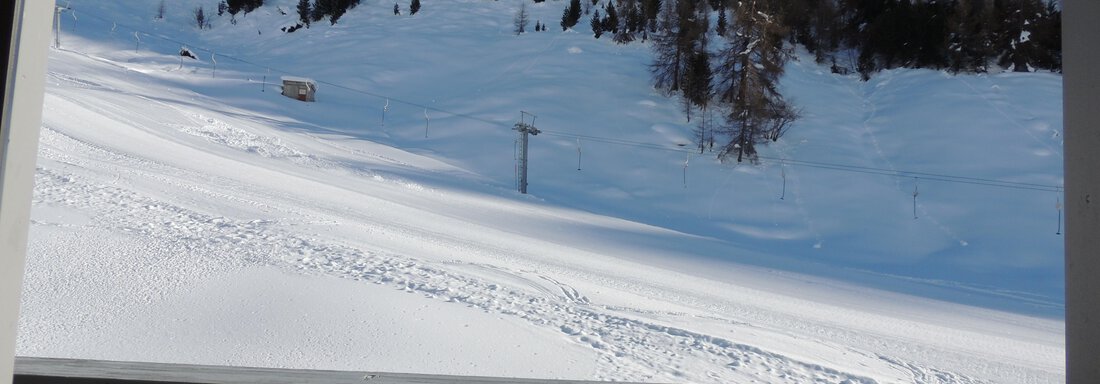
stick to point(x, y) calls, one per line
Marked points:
point(298, 79)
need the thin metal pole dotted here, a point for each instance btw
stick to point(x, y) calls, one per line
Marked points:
point(578, 154)
point(915, 193)
point(57, 27)
point(523, 158)
point(1058, 206)
point(515, 163)
point(686, 161)
point(384, 109)
point(783, 172)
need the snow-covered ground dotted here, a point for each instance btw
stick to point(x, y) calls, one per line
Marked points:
point(184, 215)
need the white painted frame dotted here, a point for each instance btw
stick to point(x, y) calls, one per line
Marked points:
point(24, 81)
point(29, 36)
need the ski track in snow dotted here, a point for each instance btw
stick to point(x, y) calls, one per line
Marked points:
point(221, 133)
point(793, 181)
point(531, 62)
point(630, 349)
point(869, 116)
point(995, 104)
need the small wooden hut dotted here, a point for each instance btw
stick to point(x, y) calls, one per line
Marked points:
point(299, 88)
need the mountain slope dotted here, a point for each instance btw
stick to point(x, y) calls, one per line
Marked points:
point(197, 195)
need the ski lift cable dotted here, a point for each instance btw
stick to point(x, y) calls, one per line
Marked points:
point(841, 167)
point(906, 173)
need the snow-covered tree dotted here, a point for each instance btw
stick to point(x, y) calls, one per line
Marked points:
point(521, 19)
point(752, 63)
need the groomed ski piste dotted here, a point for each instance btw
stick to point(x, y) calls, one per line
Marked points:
point(192, 215)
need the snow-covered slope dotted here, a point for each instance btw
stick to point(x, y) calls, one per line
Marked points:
point(184, 215)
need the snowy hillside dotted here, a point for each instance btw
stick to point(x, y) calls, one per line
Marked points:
point(191, 215)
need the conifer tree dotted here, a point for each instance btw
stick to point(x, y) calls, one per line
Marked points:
point(697, 80)
point(751, 66)
point(574, 12)
point(321, 8)
point(597, 24)
point(1021, 19)
point(667, 51)
point(825, 28)
point(235, 6)
point(571, 15)
point(337, 12)
point(414, 7)
point(611, 20)
point(720, 28)
point(200, 17)
point(304, 12)
point(650, 9)
point(965, 51)
point(632, 16)
point(697, 75)
point(1047, 37)
point(333, 9)
point(521, 19)
point(623, 36)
